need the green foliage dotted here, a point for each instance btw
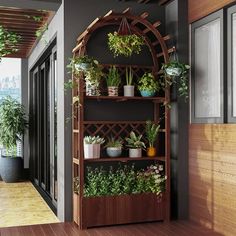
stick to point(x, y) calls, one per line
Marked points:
point(40, 32)
point(152, 130)
point(123, 180)
point(148, 83)
point(112, 142)
point(134, 141)
point(113, 78)
point(125, 45)
point(8, 42)
point(13, 122)
point(129, 75)
point(93, 140)
point(181, 79)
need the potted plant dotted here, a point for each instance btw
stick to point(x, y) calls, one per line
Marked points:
point(152, 130)
point(92, 73)
point(129, 87)
point(114, 147)
point(135, 145)
point(13, 124)
point(176, 72)
point(125, 45)
point(113, 81)
point(92, 147)
point(148, 86)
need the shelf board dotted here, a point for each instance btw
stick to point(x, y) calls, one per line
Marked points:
point(76, 161)
point(126, 159)
point(123, 99)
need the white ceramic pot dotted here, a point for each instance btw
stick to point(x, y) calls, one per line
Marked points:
point(137, 152)
point(129, 90)
point(92, 151)
point(114, 151)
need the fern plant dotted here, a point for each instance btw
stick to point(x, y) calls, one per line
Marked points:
point(152, 130)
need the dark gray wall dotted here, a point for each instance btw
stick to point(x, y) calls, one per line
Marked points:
point(77, 16)
point(177, 26)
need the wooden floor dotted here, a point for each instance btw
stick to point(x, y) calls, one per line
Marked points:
point(175, 228)
point(21, 204)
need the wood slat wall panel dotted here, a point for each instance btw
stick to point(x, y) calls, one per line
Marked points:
point(201, 8)
point(212, 176)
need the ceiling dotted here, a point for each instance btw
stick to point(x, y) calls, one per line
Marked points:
point(160, 2)
point(25, 23)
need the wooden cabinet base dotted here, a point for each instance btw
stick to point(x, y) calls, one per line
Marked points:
point(125, 209)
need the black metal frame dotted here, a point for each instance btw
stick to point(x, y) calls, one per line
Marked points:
point(206, 20)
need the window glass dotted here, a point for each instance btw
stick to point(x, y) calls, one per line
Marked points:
point(207, 75)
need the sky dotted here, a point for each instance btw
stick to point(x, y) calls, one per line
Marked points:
point(10, 67)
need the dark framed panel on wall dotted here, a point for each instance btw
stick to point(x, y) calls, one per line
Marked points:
point(207, 74)
point(231, 65)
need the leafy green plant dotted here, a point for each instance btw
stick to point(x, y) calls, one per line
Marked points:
point(13, 123)
point(125, 45)
point(93, 140)
point(152, 130)
point(112, 142)
point(148, 83)
point(123, 180)
point(8, 42)
point(40, 32)
point(134, 141)
point(176, 72)
point(113, 78)
point(129, 75)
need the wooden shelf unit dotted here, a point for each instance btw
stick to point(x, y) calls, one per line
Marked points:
point(106, 212)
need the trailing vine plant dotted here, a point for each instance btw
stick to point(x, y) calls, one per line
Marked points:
point(8, 42)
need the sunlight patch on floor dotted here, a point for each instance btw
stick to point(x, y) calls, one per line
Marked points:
point(21, 204)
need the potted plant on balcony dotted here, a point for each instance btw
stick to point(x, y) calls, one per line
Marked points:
point(148, 86)
point(114, 147)
point(129, 87)
point(152, 130)
point(135, 145)
point(92, 147)
point(113, 81)
point(176, 72)
point(13, 124)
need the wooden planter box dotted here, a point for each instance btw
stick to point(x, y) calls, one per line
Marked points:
point(124, 209)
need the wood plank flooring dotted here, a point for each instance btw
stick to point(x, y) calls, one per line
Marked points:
point(174, 228)
point(21, 204)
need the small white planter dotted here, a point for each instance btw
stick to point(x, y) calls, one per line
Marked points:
point(135, 152)
point(92, 151)
point(129, 90)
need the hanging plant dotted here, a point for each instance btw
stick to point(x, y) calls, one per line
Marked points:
point(8, 42)
point(176, 72)
point(123, 42)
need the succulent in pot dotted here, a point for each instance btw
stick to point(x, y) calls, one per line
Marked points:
point(152, 130)
point(13, 123)
point(92, 147)
point(148, 85)
point(114, 147)
point(135, 145)
point(129, 87)
point(113, 81)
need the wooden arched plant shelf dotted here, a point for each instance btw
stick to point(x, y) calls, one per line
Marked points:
point(111, 210)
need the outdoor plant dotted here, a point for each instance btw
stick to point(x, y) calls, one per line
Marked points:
point(93, 140)
point(129, 75)
point(125, 45)
point(13, 123)
point(134, 141)
point(113, 77)
point(123, 180)
point(152, 130)
point(176, 72)
point(147, 85)
point(8, 42)
point(112, 142)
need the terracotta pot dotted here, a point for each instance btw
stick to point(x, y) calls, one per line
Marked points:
point(112, 91)
point(151, 152)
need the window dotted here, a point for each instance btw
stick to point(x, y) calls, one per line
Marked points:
point(10, 78)
point(207, 70)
